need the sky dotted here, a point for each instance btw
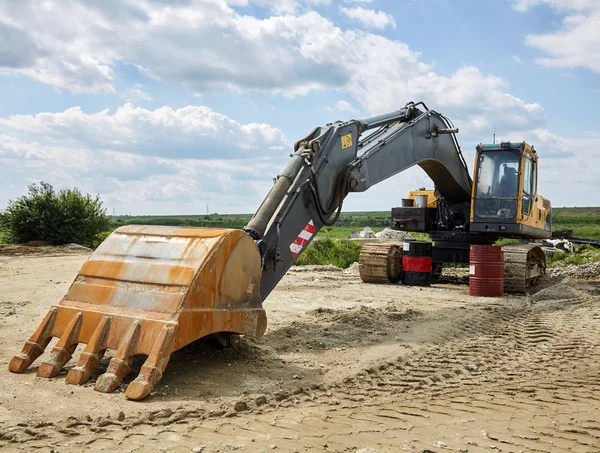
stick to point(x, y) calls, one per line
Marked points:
point(176, 107)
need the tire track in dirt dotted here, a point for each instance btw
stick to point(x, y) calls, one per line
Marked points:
point(516, 376)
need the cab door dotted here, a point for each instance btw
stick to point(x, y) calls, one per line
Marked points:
point(529, 184)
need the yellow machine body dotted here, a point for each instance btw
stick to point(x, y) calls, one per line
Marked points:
point(430, 194)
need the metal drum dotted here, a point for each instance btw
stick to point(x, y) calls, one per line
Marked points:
point(486, 271)
point(417, 263)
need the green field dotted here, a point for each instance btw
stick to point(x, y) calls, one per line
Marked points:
point(585, 222)
point(347, 223)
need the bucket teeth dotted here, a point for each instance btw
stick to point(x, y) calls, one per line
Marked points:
point(153, 367)
point(62, 352)
point(91, 355)
point(36, 344)
point(120, 364)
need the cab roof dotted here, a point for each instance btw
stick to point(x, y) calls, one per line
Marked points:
point(503, 145)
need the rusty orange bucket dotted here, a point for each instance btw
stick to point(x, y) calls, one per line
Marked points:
point(150, 290)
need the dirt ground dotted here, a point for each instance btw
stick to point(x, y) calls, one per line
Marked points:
point(344, 366)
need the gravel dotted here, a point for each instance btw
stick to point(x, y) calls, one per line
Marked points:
point(585, 271)
point(315, 268)
point(388, 233)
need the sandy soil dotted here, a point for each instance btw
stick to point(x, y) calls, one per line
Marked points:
point(344, 366)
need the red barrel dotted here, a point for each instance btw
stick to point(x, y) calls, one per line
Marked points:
point(486, 271)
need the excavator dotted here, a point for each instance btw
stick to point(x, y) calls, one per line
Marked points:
point(151, 290)
point(502, 203)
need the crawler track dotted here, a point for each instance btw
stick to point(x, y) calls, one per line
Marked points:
point(523, 265)
point(381, 262)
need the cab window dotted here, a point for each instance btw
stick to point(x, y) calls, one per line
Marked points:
point(497, 184)
point(528, 187)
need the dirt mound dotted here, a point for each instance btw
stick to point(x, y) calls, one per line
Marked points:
point(76, 247)
point(556, 292)
point(42, 250)
point(334, 328)
point(352, 270)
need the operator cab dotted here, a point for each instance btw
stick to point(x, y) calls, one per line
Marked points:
point(505, 198)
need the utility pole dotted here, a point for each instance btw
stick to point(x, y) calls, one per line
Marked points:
point(206, 208)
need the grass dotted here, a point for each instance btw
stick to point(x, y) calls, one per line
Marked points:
point(585, 222)
point(585, 254)
point(587, 226)
point(339, 252)
point(337, 232)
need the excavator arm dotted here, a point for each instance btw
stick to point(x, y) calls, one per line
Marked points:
point(150, 290)
point(335, 160)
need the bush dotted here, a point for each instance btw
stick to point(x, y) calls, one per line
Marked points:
point(4, 239)
point(58, 217)
point(99, 239)
point(339, 252)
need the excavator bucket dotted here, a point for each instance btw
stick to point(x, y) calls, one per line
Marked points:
point(150, 290)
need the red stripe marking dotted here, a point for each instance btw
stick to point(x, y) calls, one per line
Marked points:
point(412, 264)
point(300, 241)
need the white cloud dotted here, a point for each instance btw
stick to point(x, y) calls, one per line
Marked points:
point(42, 45)
point(369, 17)
point(280, 6)
point(136, 93)
point(473, 101)
point(141, 184)
point(148, 161)
point(577, 5)
point(567, 172)
point(577, 42)
point(516, 58)
point(345, 106)
point(208, 46)
point(192, 131)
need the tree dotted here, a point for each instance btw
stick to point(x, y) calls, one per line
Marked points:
point(58, 217)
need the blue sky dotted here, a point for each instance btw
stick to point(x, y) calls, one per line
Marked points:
point(164, 107)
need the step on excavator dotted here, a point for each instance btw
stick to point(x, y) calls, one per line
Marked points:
point(151, 290)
